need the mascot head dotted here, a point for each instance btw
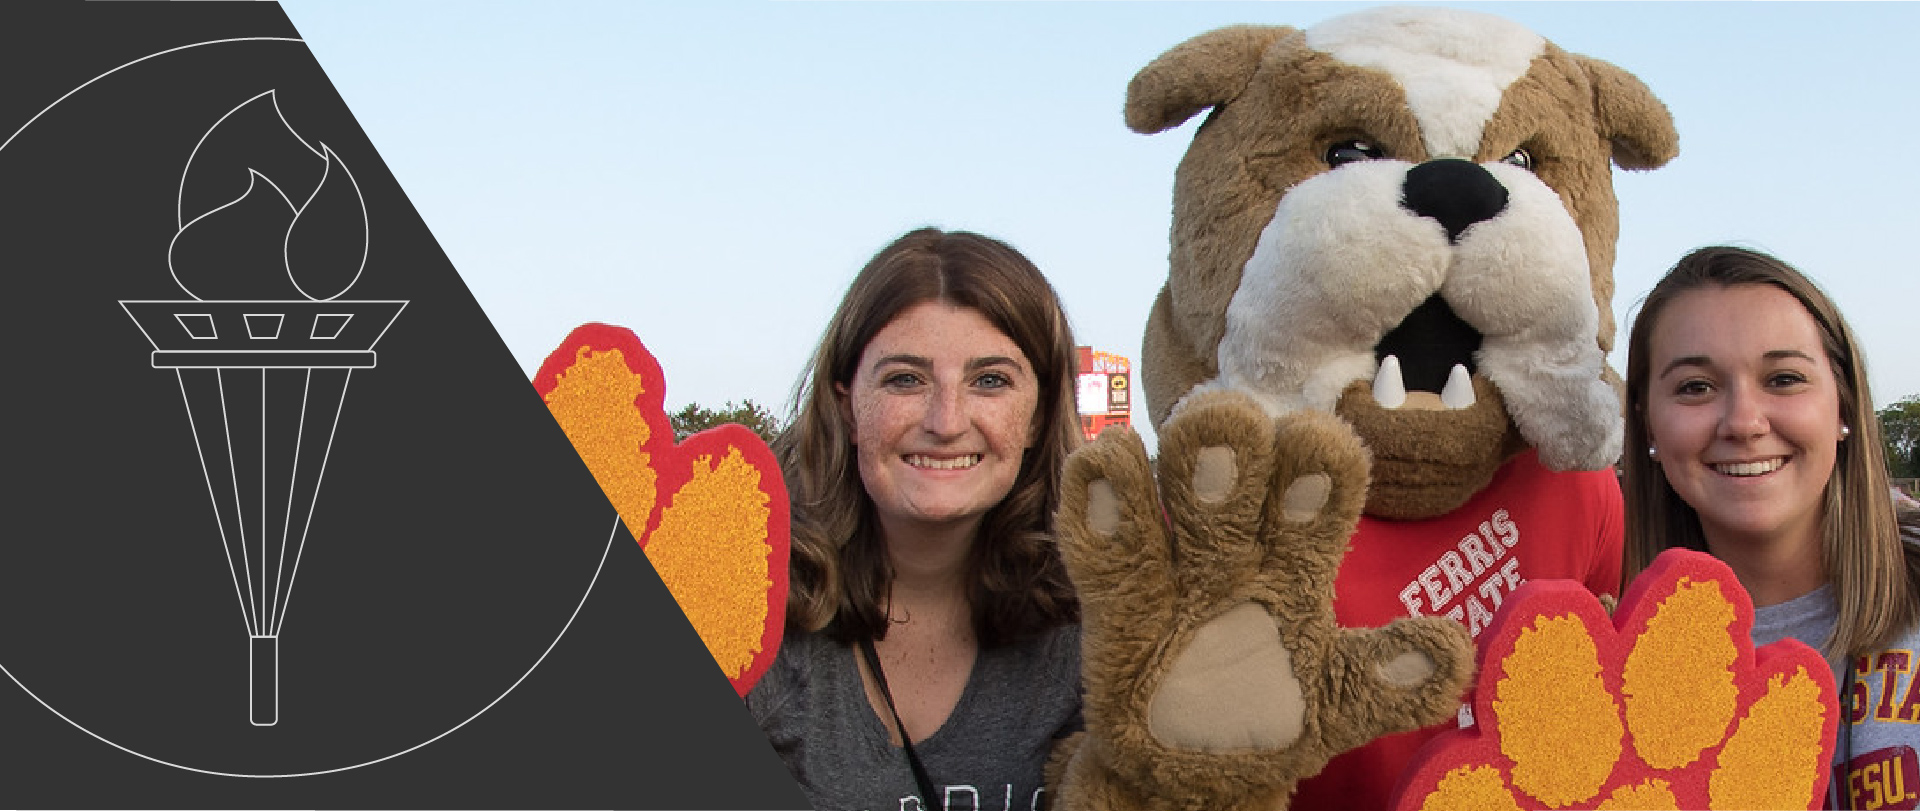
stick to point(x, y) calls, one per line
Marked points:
point(1403, 216)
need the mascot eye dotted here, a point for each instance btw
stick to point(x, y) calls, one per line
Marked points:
point(1519, 157)
point(1349, 151)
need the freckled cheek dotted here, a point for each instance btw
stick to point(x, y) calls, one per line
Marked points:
point(882, 420)
point(1008, 423)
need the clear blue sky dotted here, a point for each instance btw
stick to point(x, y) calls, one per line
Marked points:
point(711, 175)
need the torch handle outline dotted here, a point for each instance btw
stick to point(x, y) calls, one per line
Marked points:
point(263, 690)
point(262, 577)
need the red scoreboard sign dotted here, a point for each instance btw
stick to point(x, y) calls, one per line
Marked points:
point(1105, 395)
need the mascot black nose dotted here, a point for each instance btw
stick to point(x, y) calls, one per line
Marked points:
point(1454, 192)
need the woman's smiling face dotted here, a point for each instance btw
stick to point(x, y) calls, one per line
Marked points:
point(1744, 411)
point(941, 409)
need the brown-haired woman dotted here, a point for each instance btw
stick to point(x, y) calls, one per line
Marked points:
point(1747, 404)
point(924, 465)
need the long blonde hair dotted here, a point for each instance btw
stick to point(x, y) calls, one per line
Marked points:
point(1875, 577)
point(840, 573)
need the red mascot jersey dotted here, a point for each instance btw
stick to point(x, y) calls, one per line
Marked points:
point(1529, 523)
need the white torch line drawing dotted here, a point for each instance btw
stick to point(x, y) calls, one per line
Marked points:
point(245, 359)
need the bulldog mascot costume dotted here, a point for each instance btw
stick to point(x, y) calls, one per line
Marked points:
point(1378, 373)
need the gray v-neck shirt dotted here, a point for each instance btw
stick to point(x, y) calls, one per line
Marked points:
point(987, 756)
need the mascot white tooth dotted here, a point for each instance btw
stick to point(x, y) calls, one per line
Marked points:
point(1378, 369)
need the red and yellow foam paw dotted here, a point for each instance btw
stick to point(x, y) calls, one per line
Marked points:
point(1664, 705)
point(718, 537)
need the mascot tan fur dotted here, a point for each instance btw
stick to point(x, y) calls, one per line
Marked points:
point(1378, 369)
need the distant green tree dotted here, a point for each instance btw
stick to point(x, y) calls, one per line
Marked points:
point(696, 418)
point(1900, 430)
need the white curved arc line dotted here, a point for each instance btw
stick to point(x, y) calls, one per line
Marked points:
point(180, 202)
point(83, 85)
point(611, 535)
point(218, 522)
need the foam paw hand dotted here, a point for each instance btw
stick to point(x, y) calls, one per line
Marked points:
point(711, 512)
point(1215, 674)
point(1666, 705)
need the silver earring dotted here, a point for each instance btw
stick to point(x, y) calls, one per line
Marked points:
point(1845, 432)
point(1653, 453)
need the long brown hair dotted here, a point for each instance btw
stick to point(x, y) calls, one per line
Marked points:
point(840, 573)
point(1874, 576)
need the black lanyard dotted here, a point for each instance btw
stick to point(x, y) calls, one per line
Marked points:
point(913, 760)
point(1845, 794)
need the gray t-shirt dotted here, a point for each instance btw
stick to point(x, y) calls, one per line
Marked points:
point(1808, 618)
point(988, 755)
point(1877, 756)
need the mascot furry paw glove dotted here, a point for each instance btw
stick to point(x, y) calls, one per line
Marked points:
point(1405, 218)
point(1216, 676)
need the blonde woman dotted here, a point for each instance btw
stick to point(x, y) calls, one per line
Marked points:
point(1753, 438)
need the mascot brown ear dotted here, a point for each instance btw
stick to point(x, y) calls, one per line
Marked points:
point(1206, 71)
point(1637, 124)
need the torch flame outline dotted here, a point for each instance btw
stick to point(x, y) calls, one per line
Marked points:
point(324, 153)
point(366, 228)
point(253, 176)
point(180, 197)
